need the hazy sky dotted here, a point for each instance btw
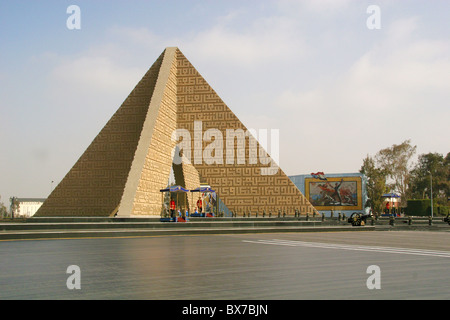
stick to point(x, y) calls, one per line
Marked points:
point(335, 89)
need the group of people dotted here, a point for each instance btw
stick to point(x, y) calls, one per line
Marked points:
point(173, 207)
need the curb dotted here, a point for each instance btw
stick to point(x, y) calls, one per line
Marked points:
point(79, 234)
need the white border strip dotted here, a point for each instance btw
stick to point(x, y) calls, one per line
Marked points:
point(420, 252)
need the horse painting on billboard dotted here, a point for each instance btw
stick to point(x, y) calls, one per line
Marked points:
point(334, 193)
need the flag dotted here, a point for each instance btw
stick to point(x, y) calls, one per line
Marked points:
point(319, 175)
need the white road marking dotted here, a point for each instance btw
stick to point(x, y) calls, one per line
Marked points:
point(420, 252)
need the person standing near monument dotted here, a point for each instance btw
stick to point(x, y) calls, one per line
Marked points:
point(172, 208)
point(199, 204)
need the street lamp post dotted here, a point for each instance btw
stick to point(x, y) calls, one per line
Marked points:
point(431, 193)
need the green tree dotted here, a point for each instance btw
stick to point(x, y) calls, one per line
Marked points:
point(3, 211)
point(376, 183)
point(431, 167)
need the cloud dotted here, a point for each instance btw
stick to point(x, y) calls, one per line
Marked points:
point(137, 36)
point(395, 91)
point(325, 7)
point(90, 85)
point(94, 73)
point(237, 38)
point(262, 40)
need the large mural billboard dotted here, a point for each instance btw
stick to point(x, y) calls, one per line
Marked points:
point(338, 193)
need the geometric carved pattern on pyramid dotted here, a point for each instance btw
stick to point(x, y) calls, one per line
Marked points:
point(130, 160)
point(95, 184)
point(153, 159)
point(239, 186)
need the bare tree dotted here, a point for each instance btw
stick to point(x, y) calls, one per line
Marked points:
point(396, 162)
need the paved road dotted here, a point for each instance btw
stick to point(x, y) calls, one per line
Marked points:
point(413, 265)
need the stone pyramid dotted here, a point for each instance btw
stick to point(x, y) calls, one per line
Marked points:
point(128, 163)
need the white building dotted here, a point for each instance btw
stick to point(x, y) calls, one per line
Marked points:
point(28, 206)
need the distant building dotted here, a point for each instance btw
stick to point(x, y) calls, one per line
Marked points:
point(28, 206)
point(338, 192)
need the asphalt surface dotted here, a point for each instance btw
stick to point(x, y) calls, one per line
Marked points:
point(334, 265)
